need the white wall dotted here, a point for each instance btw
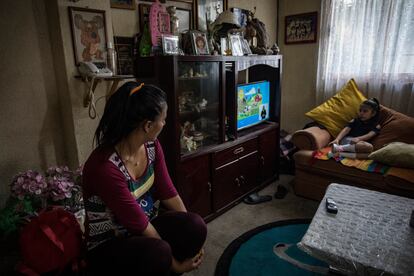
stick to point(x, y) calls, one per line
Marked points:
point(31, 135)
point(266, 12)
point(299, 68)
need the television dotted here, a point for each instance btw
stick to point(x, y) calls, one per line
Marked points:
point(252, 103)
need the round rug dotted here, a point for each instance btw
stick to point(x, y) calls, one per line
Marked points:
point(270, 249)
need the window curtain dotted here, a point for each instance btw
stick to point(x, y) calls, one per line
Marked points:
point(371, 41)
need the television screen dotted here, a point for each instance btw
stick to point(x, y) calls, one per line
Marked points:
point(252, 103)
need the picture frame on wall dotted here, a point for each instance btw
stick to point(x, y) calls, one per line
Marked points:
point(170, 45)
point(301, 28)
point(199, 43)
point(185, 19)
point(123, 4)
point(88, 46)
point(124, 47)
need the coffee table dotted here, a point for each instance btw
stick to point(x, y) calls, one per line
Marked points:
point(370, 234)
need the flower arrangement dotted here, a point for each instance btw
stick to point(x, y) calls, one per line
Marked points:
point(31, 192)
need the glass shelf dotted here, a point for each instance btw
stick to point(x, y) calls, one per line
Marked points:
point(198, 105)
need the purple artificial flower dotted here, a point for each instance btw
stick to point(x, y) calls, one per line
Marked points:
point(28, 184)
point(61, 183)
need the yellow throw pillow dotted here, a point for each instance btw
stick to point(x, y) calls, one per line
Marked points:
point(336, 112)
point(395, 154)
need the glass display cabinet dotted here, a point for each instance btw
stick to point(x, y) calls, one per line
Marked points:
point(198, 98)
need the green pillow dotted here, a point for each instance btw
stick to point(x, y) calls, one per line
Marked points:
point(395, 154)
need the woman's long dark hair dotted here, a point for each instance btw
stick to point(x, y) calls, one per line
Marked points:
point(125, 111)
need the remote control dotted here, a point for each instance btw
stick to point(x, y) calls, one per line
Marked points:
point(331, 206)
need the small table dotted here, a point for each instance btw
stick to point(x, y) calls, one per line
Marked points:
point(369, 235)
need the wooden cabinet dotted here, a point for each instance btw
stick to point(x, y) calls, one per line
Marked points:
point(268, 154)
point(213, 163)
point(195, 186)
point(235, 172)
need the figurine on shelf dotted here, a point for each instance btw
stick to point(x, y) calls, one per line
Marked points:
point(181, 103)
point(187, 129)
point(198, 137)
point(188, 143)
point(174, 20)
point(201, 105)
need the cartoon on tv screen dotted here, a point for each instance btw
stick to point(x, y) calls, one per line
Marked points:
point(252, 103)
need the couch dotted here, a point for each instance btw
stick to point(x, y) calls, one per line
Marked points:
point(313, 175)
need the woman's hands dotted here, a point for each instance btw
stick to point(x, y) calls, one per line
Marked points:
point(188, 264)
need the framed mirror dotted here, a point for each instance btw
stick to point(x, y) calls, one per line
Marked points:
point(207, 11)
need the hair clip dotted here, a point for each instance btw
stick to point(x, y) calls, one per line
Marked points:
point(136, 89)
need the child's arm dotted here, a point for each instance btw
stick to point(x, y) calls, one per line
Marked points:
point(367, 136)
point(341, 135)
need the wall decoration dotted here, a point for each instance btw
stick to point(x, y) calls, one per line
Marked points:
point(199, 42)
point(88, 34)
point(301, 28)
point(123, 4)
point(143, 13)
point(124, 50)
point(185, 21)
point(207, 11)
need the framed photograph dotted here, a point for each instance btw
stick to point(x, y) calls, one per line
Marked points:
point(235, 44)
point(164, 22)
point(185, 21)
point(207, 11)
point(88, 34)
point(123, 4)
point(143, 13)
point(170, 45)
point(159, 23)
point(301, 28)
point(224, 46)
point(124, 50)
point(245, 46)
point(199, 42)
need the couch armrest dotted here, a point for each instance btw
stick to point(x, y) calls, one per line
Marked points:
point(311, 138)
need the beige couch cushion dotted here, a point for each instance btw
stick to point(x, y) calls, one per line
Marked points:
point(395, 154)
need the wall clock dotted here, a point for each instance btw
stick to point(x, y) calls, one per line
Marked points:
point(159, 20)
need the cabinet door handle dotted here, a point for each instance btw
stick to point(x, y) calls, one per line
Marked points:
point(262, 160)
point(209, 186)
point(243, 180)
point(237, 182)
point(238, 150)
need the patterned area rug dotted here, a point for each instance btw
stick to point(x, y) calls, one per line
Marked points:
point(270, 249)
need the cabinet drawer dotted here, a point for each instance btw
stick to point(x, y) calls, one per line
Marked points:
point(225, 156)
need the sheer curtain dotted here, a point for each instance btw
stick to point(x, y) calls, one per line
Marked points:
point(371, 41)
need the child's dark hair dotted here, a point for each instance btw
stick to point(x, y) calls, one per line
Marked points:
point(126, 109)
point(372, 103)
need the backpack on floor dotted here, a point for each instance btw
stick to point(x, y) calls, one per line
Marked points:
point(50, 242)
